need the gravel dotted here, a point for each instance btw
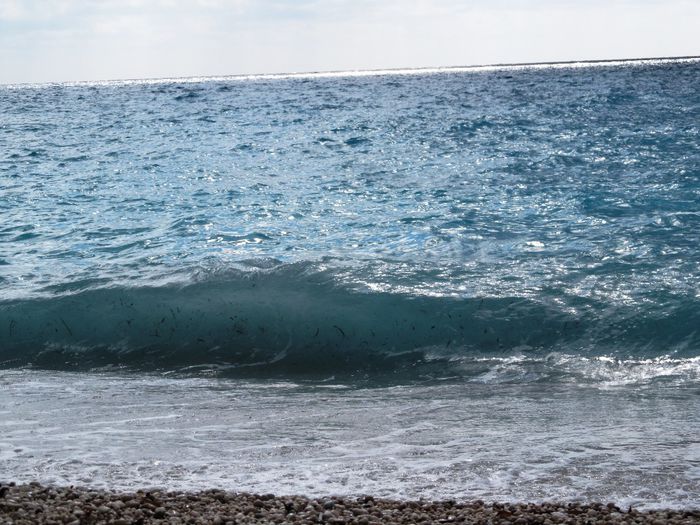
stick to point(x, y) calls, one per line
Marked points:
point(36, 503)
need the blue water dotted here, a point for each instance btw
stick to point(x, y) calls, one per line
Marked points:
point(283, 220)
point(489, 228)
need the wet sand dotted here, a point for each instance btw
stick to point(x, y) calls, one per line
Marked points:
point(35, 503)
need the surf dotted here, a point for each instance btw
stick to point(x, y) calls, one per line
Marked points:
point(301, 319)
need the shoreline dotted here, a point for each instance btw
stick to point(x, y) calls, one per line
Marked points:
point(36, 503)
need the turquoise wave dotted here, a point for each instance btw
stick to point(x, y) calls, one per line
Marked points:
point(298, 319)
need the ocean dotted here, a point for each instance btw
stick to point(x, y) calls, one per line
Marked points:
point(453, 283)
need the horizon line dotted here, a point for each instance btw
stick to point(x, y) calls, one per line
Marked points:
point(360, 72)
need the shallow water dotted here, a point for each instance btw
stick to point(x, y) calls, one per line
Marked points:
point(443, 440)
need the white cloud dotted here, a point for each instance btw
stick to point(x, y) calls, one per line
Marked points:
point(11, 10)
point(90, 39)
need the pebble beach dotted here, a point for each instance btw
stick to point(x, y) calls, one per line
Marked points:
point(35, 503)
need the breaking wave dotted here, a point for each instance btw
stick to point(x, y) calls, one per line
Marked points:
point(294, 319)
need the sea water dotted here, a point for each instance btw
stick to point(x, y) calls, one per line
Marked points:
point(452, 283)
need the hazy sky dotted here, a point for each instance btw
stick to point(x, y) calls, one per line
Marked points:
point(56, 40)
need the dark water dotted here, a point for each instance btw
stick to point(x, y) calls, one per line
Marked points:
point(495, 234)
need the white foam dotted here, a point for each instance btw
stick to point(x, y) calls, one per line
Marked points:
point(437, 441)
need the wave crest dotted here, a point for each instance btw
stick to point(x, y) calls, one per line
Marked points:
point(294, 319)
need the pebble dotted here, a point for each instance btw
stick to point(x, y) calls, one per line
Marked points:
point(35, 504)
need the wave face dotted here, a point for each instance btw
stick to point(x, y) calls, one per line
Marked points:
point(524, 223)
point(296, 319)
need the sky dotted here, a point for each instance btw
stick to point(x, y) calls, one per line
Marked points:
point(68, 40)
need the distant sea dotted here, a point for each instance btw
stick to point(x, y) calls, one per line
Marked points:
point(453, 283)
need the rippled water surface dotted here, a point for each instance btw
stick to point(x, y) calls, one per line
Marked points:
point(502, 182)
point(503, 260)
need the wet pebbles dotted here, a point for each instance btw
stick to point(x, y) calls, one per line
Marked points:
point(35, 503)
